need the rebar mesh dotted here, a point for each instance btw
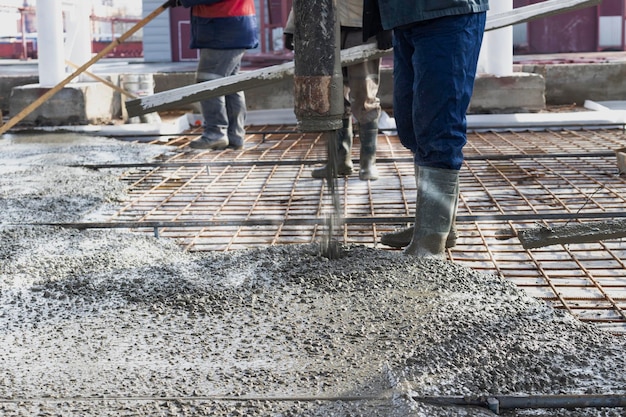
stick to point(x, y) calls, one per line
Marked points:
point(265, 195)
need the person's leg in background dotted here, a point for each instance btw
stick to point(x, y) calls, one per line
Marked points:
point(345, 135)
point(363, 82)
point(224, 117)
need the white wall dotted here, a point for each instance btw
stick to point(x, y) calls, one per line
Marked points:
point(9, 22)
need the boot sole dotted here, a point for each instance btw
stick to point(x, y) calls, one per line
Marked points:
point(204, 145)
point(398, 241)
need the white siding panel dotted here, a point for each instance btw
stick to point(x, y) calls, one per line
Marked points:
point(157, 42)
point(610, 31)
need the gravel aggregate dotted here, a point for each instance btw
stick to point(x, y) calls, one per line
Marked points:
point(113, 323)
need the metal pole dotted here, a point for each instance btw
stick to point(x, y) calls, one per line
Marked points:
point(24, 55)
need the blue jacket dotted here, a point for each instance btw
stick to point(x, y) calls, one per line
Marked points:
point(223, 24)
point(389, 14)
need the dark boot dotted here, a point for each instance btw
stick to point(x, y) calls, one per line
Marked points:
point(437, 195)
point(401, 238)
point(368, 134)
point(344, 152)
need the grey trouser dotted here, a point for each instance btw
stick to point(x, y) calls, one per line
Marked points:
point(360, 82)
point(223, 116)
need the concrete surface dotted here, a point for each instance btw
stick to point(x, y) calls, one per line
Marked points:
point(77, 103)
point(521, 92)
point(575, 83)
point(112, 323)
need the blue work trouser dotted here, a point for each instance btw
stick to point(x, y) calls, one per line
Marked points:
point(224, 117)
point(434, 70)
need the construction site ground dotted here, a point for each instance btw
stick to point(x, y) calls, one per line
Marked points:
point(264, 195)
point(139, 277)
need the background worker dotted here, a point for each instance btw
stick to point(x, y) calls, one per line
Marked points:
point(361, 83)
point(222, 30)
point(436, 46)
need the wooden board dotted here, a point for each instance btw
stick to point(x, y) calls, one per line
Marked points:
point(536, 11)
point(572, 233)
point(241, 82)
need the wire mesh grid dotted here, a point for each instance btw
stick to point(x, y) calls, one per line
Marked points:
point(265, 195)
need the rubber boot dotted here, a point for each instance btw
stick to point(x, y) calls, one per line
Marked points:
point(437, 194)
point(401, 238)
point(215, 134)
point(368, 134)
point(344, 152)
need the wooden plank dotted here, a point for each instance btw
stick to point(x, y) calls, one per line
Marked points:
point(103, 81)
point(536, 11)
point(572, 233)
point(240, 82)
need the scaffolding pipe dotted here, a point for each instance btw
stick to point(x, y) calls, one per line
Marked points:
point(24, 54)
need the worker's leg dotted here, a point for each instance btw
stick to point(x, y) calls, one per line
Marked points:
point(236, 111)
point(363, 81)
point(344, 135)
point(402, 238)
point(434, 71)
point(344, 152)
point(443, 55)
point(437, 191)
point(215, 64)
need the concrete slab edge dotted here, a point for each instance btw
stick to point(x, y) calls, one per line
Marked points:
point(175, 128)
point(571, 120)
point(603, 117)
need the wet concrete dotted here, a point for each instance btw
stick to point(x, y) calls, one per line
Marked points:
point(594, 231)
point(112, 323)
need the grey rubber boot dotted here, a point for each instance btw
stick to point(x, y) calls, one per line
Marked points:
point(344, 152)
point(368, 134)
point(437, 195)
point(401, 238)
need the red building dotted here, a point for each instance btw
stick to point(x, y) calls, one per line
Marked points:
point(592, 29)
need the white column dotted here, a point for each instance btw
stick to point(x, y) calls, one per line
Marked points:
point(50, 42)
point(78, 42)
point(497, 51)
